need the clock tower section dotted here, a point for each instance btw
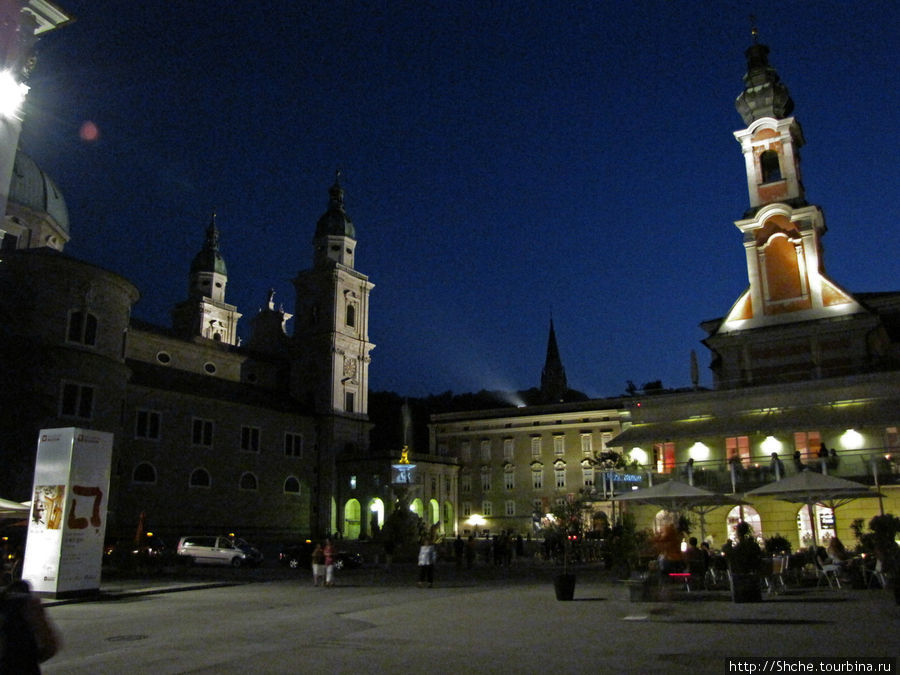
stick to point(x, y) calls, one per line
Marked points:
point(331, 332)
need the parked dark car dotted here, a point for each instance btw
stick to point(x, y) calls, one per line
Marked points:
point(298, 555)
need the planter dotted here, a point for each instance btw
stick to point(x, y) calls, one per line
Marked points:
point(641, 590)
point(564, 585)
point(745, 587)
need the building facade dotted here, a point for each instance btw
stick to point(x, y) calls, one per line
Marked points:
point(806, 375)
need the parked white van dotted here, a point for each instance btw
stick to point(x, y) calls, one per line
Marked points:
point(219, 551)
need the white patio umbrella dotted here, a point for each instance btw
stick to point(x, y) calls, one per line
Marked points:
point(10, 508)
point(810, 487)
point(676, 496)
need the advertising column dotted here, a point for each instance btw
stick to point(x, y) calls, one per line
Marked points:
point(64, 551)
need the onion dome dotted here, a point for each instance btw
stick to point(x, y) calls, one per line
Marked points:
point(33, 189)
point(764, 95)
point(209, 259)
point(335, 221)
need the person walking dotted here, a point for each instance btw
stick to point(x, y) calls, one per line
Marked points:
point(318, 565)
point(427, 558)
point(329, 552)
point(459, 550)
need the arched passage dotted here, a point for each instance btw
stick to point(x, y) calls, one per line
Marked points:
point(352, 514)
point(749, 516)
point(416, 507)
point(434, 512)
point(449, 519)
point(376, 515)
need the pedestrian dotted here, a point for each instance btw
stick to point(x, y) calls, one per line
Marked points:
point(470, 552)
point(459, 549)
point(329, 553)
point(27, 638)
point(318, 565)
point(427, 557)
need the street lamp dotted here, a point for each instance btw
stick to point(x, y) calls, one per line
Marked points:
point(475, 520)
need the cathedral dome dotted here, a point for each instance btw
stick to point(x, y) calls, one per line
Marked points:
point(335, 220)
point(33, 189)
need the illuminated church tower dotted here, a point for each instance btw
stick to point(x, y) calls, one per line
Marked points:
point(793, 322)
point(205, 313)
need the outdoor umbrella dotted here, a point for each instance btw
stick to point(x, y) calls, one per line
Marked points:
point(10, 508)
point(810, 487)
point(674, 495)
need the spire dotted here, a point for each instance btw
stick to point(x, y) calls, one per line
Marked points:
point(209, 259)
point(335, 221)
point(553, 377)
point(764, 95)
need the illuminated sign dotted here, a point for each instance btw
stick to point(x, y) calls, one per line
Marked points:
point(64, 550)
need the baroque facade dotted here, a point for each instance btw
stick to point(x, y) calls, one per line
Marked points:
point(805, 374)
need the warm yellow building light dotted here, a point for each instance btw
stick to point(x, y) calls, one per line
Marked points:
point(698, 452)
point(852, 439)
point(771, 444)
point(638, 455)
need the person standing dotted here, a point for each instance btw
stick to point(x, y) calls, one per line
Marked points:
point(459, 549)
point(427, 558)
point(329, 552)
point(318, 565)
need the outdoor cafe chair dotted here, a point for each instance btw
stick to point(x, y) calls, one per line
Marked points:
point(774, 573)
point(828, 572)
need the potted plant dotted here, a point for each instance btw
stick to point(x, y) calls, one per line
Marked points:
point(744, 558)
point(565, 530)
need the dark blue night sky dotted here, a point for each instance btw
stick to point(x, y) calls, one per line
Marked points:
point(502, 161)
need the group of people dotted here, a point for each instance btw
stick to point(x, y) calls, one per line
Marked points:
point(323, 564)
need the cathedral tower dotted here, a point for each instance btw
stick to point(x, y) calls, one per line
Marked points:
point(830, 332)
point(205, 313)
point(332, 318)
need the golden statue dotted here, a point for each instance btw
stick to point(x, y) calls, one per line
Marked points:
point(404, 455)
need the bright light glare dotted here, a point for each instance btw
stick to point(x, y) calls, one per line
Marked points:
point(699, 451)
point(852, 439)
point(12, 94)
point(638, 455)
point(771, 444)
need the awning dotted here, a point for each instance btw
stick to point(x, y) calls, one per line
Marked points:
point(843, 416)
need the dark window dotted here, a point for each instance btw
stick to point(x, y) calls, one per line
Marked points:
point(351, 315)
point(293, 445)
point(147, 424)
point(248, 482)
point(771, 169)
point(292, 486)
point(250, 439)
point(200, 478)
point(349, 401)
point(144, 473)
point(202, 432)
point(77, 401)
point(82, 328)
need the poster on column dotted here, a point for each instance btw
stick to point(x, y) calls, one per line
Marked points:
point(64, 551)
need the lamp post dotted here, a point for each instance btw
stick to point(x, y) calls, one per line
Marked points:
point(475, 520)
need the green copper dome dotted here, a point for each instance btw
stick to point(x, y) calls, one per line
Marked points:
point(335, 220)
point(209, 259)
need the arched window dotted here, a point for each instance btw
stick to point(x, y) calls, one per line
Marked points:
point(769, 166)
point(200, 478)
point(291, 486)
point(351, 314)
point(144, 473)
point(248, 481)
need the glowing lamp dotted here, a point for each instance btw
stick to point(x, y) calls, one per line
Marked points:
point(771, 444)
point(852, 439)
point(638, 455)
point(12, 94)
point(698, 451)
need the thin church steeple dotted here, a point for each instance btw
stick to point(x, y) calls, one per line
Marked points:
point(553, 377)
